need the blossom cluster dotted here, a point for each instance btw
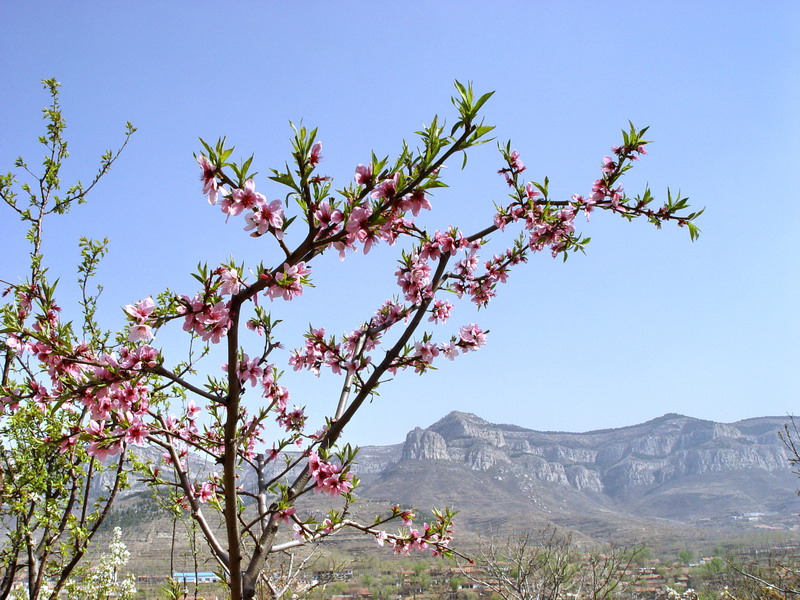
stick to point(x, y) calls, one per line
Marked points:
point(414, 272)
point(210, 321)
point(287, 284)
point(435, 537)
point(329, 478)
point(470, 338)
point(261, 216)
point(317, 352)
point(111, 389)
point(140, 312)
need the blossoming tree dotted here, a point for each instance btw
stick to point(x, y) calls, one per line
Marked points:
point(125, 391)
point(52, 501)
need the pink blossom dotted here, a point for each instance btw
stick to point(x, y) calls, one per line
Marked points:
point(99, 404)
point(289, 283)
point(209, 179)
point(326, 216)
point(440, 311)
point(242, 199)
point(450, 241)
point(206, 492)
point(11, 401)
point(136, 433)
point(471, 337)
point(40, 394)
point(192, 309)
point(298, 361)
point(496, 270)
point(192, 410)
point(599, 190)
point(101, 450)
point(13, 342)
point(96, 428)
point(351, 339)
point(608, 164)
point(414, 279)
point(143, 357)
point(280, 396)
point(358, 219)
point(329, 477)
point(286, 514)
point(387, 188)
point(426, 352)
point(363, 174)
point(266, 217)
point(516, 162)
point(140, 333)
point(214, 322)
point(408, 517)
point(141, 310)
point(394, 226)
point(319, 433)
point(255, 325)
point(450, 350)
point(390, 313)
point(171, 423)
point(500, 220)
point(229, 281)
point(68, 443)
point(249, 370)
point(294, 420)
point(343, 247)
point(415, 202)
point(316, 154)
point(325, 527)
point(299, 532)
point(587, 204)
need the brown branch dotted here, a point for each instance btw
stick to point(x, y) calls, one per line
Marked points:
point(160, 370)
point(765, 583)
point(197, 514)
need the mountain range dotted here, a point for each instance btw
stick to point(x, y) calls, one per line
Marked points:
point(673, 473)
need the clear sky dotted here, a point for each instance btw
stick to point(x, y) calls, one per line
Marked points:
point(647, 323)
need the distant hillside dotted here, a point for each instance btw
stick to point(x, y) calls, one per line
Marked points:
point(671, 479)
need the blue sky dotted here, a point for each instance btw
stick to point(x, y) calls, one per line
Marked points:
point(646, 323)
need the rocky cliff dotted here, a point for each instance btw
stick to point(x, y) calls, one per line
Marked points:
point(617, 462)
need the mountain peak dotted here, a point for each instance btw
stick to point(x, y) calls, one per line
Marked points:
point(457, 416)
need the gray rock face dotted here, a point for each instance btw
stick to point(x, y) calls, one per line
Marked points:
point(582, 478)
point(463, 425)
point(484, 456)
point(424, 444)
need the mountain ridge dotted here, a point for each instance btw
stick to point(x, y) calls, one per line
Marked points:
point(671, 469)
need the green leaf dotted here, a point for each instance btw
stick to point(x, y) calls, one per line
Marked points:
point(694, 230)
point(482, 100)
